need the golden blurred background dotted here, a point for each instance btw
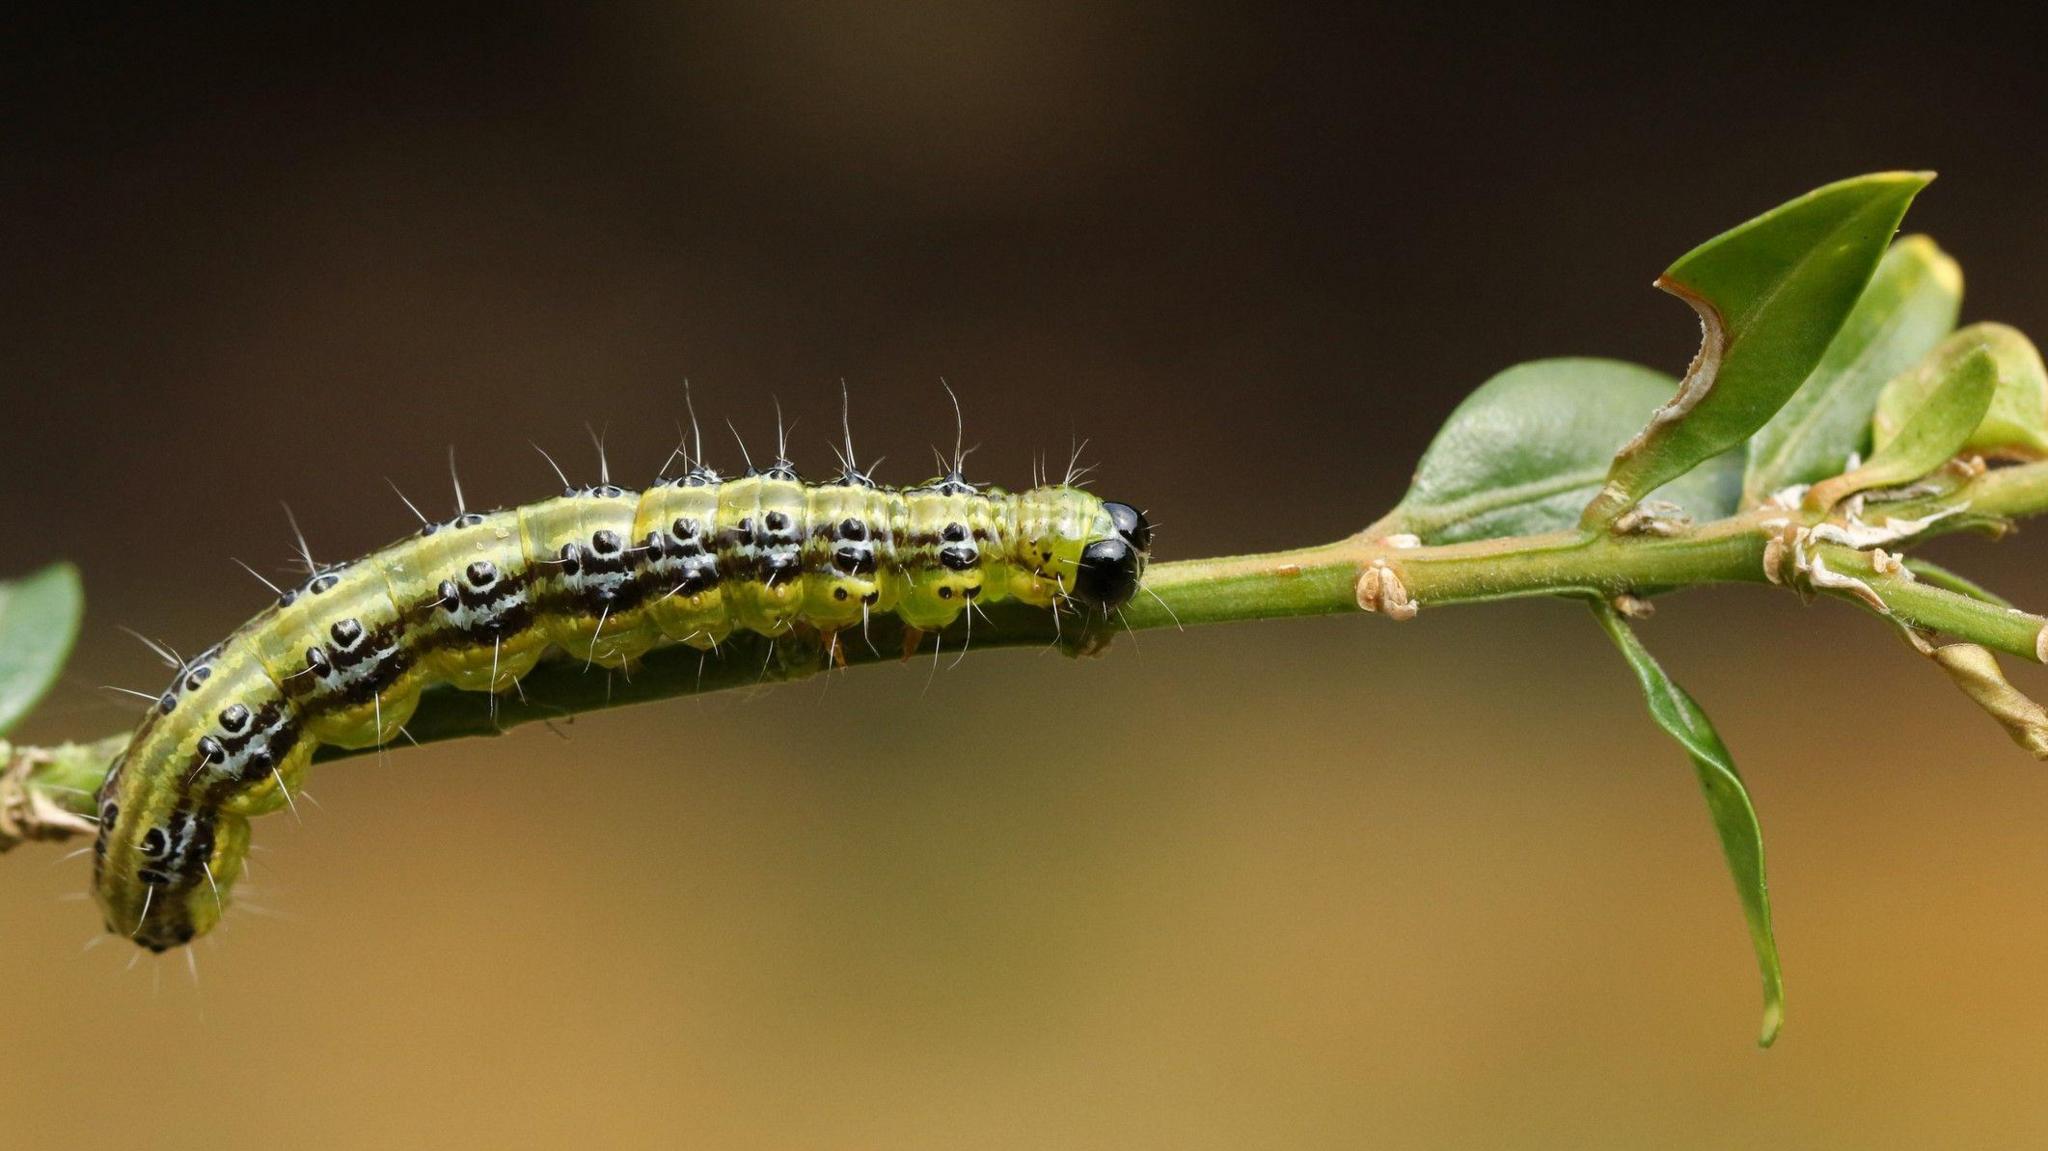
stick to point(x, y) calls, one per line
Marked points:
point(1303, 884)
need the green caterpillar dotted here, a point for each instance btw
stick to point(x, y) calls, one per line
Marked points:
point(601, 573)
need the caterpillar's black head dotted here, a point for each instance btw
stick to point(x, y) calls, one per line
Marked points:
point(1112, 565)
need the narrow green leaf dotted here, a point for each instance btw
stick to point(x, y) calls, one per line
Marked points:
point(39, 618)
point(1526, 451)
point(2015, 426)
point(1929, 572)
point(1742, 839)
point(1771, 294)
point(1910, 304)
point(1935, 431)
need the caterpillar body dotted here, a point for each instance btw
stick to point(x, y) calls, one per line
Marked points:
point(601, 573)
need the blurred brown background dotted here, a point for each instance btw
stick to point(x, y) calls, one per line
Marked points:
point(1323, 883)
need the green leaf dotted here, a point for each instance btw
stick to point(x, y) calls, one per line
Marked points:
point(1935, 430)
point(1929, 572)
point(1910, 305)
point(38, 621)
point(2015, 425)
point(1771, 294)
point(1525, 452)
point(1742, 839)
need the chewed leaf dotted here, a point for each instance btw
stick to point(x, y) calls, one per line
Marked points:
point(1936, 430)
point(2015, 425)
point(1742, 839)
point(1909, 305)
point(1525, 452)
point(39, 617)
point(1770, 294)
point(1976, 671)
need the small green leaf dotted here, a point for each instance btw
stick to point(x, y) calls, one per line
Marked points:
point(1910, 305)
point(1771, 294)
point(1742, 839)
point(2016, 424)
point(1525, 452)
point(1926, 439)
point(38, 621)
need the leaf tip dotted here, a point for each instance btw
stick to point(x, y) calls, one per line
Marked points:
point(1774, 1021)
point(1909, 180)
point(1920, 248)
point(1897, 189)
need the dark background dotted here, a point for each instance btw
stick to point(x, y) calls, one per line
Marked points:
point(1325, 882)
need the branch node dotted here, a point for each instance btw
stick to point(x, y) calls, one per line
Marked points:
point(1787, 561)
point(1784, 541)
point(1774, 560)
point(1633, 606)
point(27, 813)
point(1653, 518)
point(1380, 590)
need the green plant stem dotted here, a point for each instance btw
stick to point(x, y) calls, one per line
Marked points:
point(1319, 580)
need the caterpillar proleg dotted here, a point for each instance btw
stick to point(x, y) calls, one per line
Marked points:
point(598, 573)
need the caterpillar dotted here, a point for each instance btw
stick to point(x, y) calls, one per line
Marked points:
point(599, 573)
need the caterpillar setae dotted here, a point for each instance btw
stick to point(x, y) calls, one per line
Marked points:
point(599, 572)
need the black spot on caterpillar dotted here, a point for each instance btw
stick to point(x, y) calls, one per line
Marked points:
point(601, 573)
